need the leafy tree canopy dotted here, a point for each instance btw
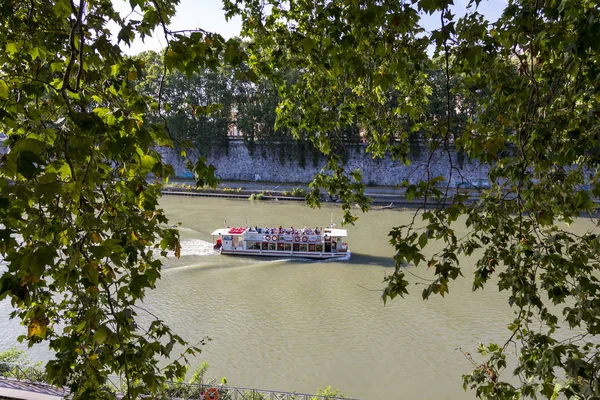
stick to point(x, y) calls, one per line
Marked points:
point(527, 88)
point(204, 108)
point(80, 226)
point(80, 223)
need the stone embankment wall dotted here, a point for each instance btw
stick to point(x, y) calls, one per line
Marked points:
point(240, 165)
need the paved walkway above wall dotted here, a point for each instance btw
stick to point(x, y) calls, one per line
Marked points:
point(22, 390)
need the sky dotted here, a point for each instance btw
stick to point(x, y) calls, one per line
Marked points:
point(209, 15)
point(191, 14)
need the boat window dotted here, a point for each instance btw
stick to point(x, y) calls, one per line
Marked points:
point(303, 247)
point(271, 246)
point(311, 247)
point(296, 247)
point(319, 248)
point(265, 246)
point(288, 247)
point(226, 237)
point(280, 246)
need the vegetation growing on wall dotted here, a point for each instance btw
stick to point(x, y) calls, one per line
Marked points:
point(205, 108)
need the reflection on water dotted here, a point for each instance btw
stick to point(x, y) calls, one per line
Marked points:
point(302, 325)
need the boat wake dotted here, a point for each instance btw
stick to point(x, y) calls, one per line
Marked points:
point(195, 247)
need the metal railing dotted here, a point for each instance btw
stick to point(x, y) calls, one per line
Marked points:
point(196, 391)
point(173, 390)
point(22, 372)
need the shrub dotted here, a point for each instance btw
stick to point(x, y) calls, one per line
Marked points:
point(298, 192)
point(14, 356)
point(15, 364)
point(257, 196)
point(328, 392)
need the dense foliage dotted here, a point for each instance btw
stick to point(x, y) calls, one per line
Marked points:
point(80, 226)
point(208, 108)
point(519, 95)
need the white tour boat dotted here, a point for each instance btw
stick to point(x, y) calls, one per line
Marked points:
point(280, 242)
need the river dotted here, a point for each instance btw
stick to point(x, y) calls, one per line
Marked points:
point(302, 325)
point(297, 325)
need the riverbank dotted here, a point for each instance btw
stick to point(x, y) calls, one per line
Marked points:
point(381, 196)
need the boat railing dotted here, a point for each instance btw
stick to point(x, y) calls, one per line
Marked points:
point(286, 231)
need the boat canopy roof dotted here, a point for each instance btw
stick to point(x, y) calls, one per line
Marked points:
point(229, 231)
point(335, 232)
point(222, 231)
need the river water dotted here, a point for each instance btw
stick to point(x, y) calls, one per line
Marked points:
point(299, 325)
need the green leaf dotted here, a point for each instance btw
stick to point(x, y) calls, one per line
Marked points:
point(138, 284)
point(28, 162)
point(101, 334)
point(204, 174)
point(34, 52)
point(12, 48)
point(4, 91)
point(430, 6)
point(147, 162)
point(423, 240)
point(309, 44)
point(28, 145)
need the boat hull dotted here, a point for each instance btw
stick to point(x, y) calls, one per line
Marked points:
point(284, 254)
